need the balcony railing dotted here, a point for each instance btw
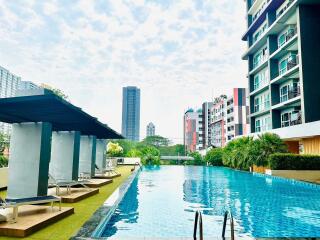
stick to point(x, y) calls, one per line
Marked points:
point(290, 64)
point(284, 8)
point(296, 118)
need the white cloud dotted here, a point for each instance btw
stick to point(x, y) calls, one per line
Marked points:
point(177, 52)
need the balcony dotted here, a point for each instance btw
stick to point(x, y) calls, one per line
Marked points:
point(293, 93)
point(284, 8)
point(290, 65)
point(295, 119)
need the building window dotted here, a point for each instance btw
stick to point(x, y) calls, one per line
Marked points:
point(284, 93)
point(285, 119)
point(257, 126)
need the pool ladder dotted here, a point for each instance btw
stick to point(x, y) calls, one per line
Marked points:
point(198, 220)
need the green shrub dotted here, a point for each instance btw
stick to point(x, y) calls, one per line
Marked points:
point(214, 157)
point(289, 161)
point(198, 160)
point(150, 155)
point(3, 161)
point(237, 153)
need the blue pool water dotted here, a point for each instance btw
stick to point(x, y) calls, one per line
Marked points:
point(161, 203)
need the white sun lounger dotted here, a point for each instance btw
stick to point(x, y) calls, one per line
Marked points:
point(15, 203)
point(58, 183)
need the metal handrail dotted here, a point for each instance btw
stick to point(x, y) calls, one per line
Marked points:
point(226, 214)
point(198, 219)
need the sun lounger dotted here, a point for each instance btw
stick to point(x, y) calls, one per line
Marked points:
point(58, 183)
point(15, 203)
point(110, 168)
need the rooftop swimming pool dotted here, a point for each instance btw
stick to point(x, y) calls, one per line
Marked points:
point(161, 203)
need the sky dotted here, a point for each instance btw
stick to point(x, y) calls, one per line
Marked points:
point(179, 53)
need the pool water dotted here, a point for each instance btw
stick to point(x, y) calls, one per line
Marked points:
point(161, 203)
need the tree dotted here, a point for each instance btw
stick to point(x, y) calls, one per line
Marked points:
point(214, 156)
point(198, 160)
point(4, 142)
point(265, 145)
point(56, 91)
point(114, 149)
point(150, 155)
point(156, 141)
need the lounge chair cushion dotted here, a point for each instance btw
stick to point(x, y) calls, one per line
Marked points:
point(3, 218)
point(33, 199)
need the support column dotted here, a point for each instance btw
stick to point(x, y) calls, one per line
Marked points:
point(30, 147)
point(87, 155)
point(64, 164)
point(100, 153)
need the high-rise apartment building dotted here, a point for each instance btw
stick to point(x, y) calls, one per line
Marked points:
point(9, 84)
point(131, 113)
point(192, 130)
point(237, 123)
point(151, 130)
point(218, 121)
point(206, 130)
point(284, 58)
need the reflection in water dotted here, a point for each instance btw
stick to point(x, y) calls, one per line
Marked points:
point(126, 211)
point(161, 203)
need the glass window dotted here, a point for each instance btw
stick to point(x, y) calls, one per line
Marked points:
point(283, 66)
point(284, 93)
point(257, 126)
point(281, 39)
point(285, 119)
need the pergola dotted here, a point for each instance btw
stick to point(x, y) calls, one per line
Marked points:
point(50, 134)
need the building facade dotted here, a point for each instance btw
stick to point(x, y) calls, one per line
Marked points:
point(237, 123)
point(218, 121)
point(283, 61)
point(206, 130)
point(151, 130)
point(192, 129)
point(131, 113)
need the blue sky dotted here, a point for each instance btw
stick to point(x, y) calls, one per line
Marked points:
point(180, 53)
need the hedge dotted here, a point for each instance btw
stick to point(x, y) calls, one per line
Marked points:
point(289, 161)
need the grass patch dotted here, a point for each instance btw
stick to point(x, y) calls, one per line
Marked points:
point(69, 226)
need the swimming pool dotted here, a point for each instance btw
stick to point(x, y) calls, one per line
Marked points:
point(161, 201)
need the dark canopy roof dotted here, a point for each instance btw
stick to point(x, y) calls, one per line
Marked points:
point(50, 108)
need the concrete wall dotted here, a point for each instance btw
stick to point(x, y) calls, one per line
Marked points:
point(304, 175)
point(87, 158)
point(64, 164)
point(30, 147)
point(4, 177)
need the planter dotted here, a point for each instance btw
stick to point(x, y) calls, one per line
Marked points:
point(304, 175)
point(3, 177)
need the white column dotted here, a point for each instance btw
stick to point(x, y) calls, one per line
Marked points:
point(30, 147)
point(100, 153)
point(65, 149)
point(87, 155)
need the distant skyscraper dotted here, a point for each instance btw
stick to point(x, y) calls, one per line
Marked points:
point(206, 130)
point(131, 113)
point(151, 129)
point(9, 84)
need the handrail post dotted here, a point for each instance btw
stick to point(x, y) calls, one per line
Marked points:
point(195, 225)
point(224, 224)
point(201, 227)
